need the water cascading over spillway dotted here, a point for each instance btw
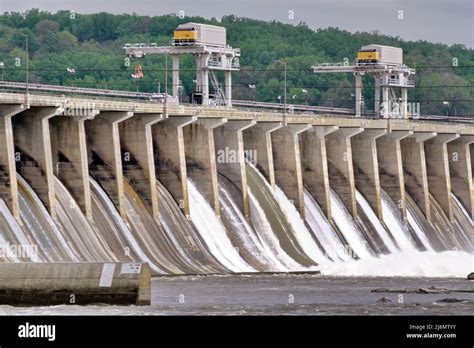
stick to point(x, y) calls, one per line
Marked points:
point(273, 238)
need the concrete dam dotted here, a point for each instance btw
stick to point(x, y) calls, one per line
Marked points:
point(205, 190)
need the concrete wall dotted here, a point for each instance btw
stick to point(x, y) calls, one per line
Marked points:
point(138, 162)
point(315, 167)
point(389, 156)
point(340, 165)
point(33, 141)
point(414, 170)
point(366, 167)
point(437, 167)
point(229, 146)
point(8, 182)
point(69, 155)
point(41, 284)
point(104, 154)
point(201, 158)
point(258, 141)
point(287, 162)
point(170, 158)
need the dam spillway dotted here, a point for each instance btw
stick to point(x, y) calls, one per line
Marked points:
point(196, 190)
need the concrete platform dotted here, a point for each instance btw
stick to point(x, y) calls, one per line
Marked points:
point(42, 284)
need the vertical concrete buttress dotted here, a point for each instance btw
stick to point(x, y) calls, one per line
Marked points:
point(105, 158)
point(389, 156)
point(230, 158)
point(366, 167)
point(414, 170)
point(69, 153)
point(8, 182)
point(287, 161)
point(138, 161)
point(437, 167)
point(340, 165)
point(315, 165)
point(201, 158)
point(460, 166)
point(258, 142)
point(32, 139)
point(170, 157)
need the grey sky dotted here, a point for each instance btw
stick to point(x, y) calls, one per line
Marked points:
point(446, 21)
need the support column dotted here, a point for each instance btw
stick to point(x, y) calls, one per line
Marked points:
point(389, 156)
point(403, 107)
point(170, 158)
point(437, 166)
point(228, 87)
point(201, 158)
point(175, 61)
point(138, 161)
point(315, 165)
point(8, 182)
point(377, 95)
point(69, 153)
point(258, 142)
point(32, 139)
point(358, 94)
point(105, 158)
point(340, 165)
point(460, 170)
point(366, 167)
point(231, 159)
point(414, 170)
point(287, 160)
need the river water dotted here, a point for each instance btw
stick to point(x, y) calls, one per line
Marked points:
point(282, 294)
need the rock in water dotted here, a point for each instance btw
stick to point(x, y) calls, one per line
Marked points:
point(470, 276)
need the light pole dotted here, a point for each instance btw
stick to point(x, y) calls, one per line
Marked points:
point(446, 103)
point(254, 87)
point(27, 61)
point(305, 92)
point(2, 66)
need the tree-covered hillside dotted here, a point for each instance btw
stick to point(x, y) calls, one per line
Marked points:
point(92, 45)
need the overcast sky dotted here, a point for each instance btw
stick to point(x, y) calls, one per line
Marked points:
point(446, 21)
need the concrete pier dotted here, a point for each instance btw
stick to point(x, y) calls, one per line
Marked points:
point(258, 141)
point(315, 165)
point(287, 161)
point(389, 155)
point(138, 162)
point(33, 142)
point(48, 284)
point(437, 167)
point(8, 182)
point(69, 154)
point(340, 165)
point(201, 158)
point(460, 165)
point(414, 170)
point(230, 159)
point(366, 167)
point(170, 157)
point(105, 159)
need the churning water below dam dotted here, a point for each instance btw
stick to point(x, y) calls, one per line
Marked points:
point(263, 264)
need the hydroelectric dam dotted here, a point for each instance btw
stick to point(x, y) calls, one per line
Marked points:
point(215, 190)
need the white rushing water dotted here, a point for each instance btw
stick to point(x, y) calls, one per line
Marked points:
point(374, 220)
point(348, 227)
point(264, 229)
point(214, 233)
point(302, 234)
point(320, 226)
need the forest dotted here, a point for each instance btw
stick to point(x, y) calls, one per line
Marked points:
point(74, 49)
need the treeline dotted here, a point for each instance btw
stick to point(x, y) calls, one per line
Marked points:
point(92, 45)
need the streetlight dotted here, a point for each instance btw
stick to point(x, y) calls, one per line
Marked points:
point(254, 87)
point(27, 61)
point(446, 103)
point(305, 92)
point(2, 66)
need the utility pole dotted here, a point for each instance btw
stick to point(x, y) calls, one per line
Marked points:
point(284, 98)
point(27, 62)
